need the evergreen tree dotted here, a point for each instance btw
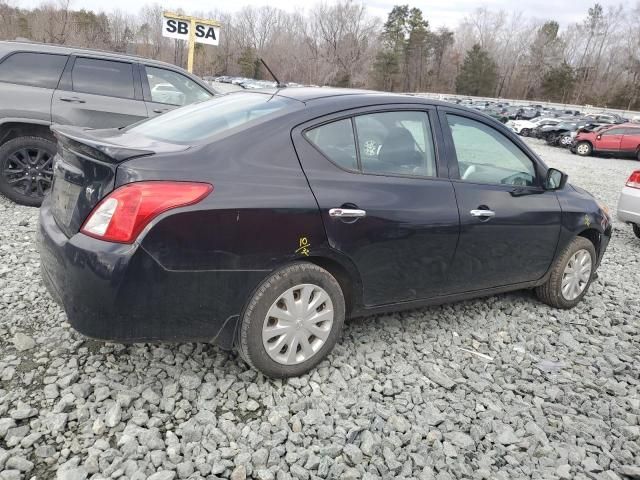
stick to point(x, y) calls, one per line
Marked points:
point(391, 56)
point(558, 82)
point(478, 75)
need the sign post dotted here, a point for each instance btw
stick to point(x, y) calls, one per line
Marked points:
point(193, 29)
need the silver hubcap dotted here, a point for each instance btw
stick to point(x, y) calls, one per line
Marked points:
point(298, 324)
point(583, 149)
point(576, 275)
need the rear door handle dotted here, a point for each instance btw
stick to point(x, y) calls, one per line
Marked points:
point(482, 213)
point(72, 100)
point(347, 213)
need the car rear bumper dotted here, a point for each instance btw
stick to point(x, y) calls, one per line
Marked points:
point(118, 292)
point(629, 205)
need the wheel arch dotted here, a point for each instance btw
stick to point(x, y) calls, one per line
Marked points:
point(593, 235)
point(14, 129)
point(346, 276)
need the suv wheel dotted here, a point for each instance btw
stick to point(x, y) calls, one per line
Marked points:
point(292, 322)
point(584, 149)
point(571, 275)
point(26, 169)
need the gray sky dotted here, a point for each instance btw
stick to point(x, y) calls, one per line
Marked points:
point(438, 12)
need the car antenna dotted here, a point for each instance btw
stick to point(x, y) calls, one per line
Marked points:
point(278, 84)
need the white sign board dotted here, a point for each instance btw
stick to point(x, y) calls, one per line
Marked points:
point(174, 28)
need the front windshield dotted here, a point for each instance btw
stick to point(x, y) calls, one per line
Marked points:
point(203, 120)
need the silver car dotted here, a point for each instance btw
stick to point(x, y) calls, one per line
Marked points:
point(629, 203)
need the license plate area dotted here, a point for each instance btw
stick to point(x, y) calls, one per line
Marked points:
point(64, 197)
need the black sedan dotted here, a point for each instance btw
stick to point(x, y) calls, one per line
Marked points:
point(262, 220)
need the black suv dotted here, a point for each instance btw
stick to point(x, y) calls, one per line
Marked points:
point(45, 84)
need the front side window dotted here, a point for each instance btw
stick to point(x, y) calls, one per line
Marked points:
point(396, 143)
point(33, 69)
point(200, 121)
point(613, 131)
point(102, 77)
point(174, 88)
point(487, 156)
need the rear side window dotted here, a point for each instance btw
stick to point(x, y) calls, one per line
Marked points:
point(33, 69)
point(396, 143)
point(388, 143)
point(197, 122)
point(336, 141)
point(632, 131)
point(487, 156)
point(102, 77)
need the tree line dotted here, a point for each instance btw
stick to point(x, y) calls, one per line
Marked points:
point(490, 53)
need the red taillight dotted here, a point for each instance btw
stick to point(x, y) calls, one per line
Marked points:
point(125, 212)
point(634, 180)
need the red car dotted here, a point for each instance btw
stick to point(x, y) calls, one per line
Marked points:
point(623, 139)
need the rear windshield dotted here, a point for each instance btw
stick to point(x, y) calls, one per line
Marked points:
point(201, 121)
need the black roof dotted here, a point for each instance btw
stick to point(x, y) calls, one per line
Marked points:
point(309, 94)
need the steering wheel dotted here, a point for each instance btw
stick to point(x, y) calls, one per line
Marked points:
point(517, 179)
point(370, 146)
point(468, 172)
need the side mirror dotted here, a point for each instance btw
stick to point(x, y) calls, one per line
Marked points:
point(555, 180)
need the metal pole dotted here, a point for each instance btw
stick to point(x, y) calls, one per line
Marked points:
point(192, 44)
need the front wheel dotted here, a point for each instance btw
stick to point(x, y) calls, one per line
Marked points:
point(636, 229)
point(292, 321)
point(525, 132)
point(571, 275)
point(584, 149)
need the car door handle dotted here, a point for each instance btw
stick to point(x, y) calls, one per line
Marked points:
point(347, 213)
point(160, 110)
point(482, 213)
point(72, 100)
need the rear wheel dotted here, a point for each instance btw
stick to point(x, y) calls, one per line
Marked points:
point(292, 322)
point(636, 229)
point(584, 149)
point(26, 169)
point(565, 140)
point(571, 275)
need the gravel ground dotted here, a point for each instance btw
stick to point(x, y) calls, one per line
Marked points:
point(498, 388)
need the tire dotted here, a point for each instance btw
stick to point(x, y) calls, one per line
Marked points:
point(26, 169)
point(525, 132)
point(551, 292)
point(636, 229)
point(584, 149)
point(255, 321)
point(565, 141)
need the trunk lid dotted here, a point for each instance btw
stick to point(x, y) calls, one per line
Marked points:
point(85, 168)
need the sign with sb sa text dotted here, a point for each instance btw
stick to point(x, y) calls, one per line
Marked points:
point(177, 28)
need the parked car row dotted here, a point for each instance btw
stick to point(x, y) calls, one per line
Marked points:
point(603, 132)
point(248, 83)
